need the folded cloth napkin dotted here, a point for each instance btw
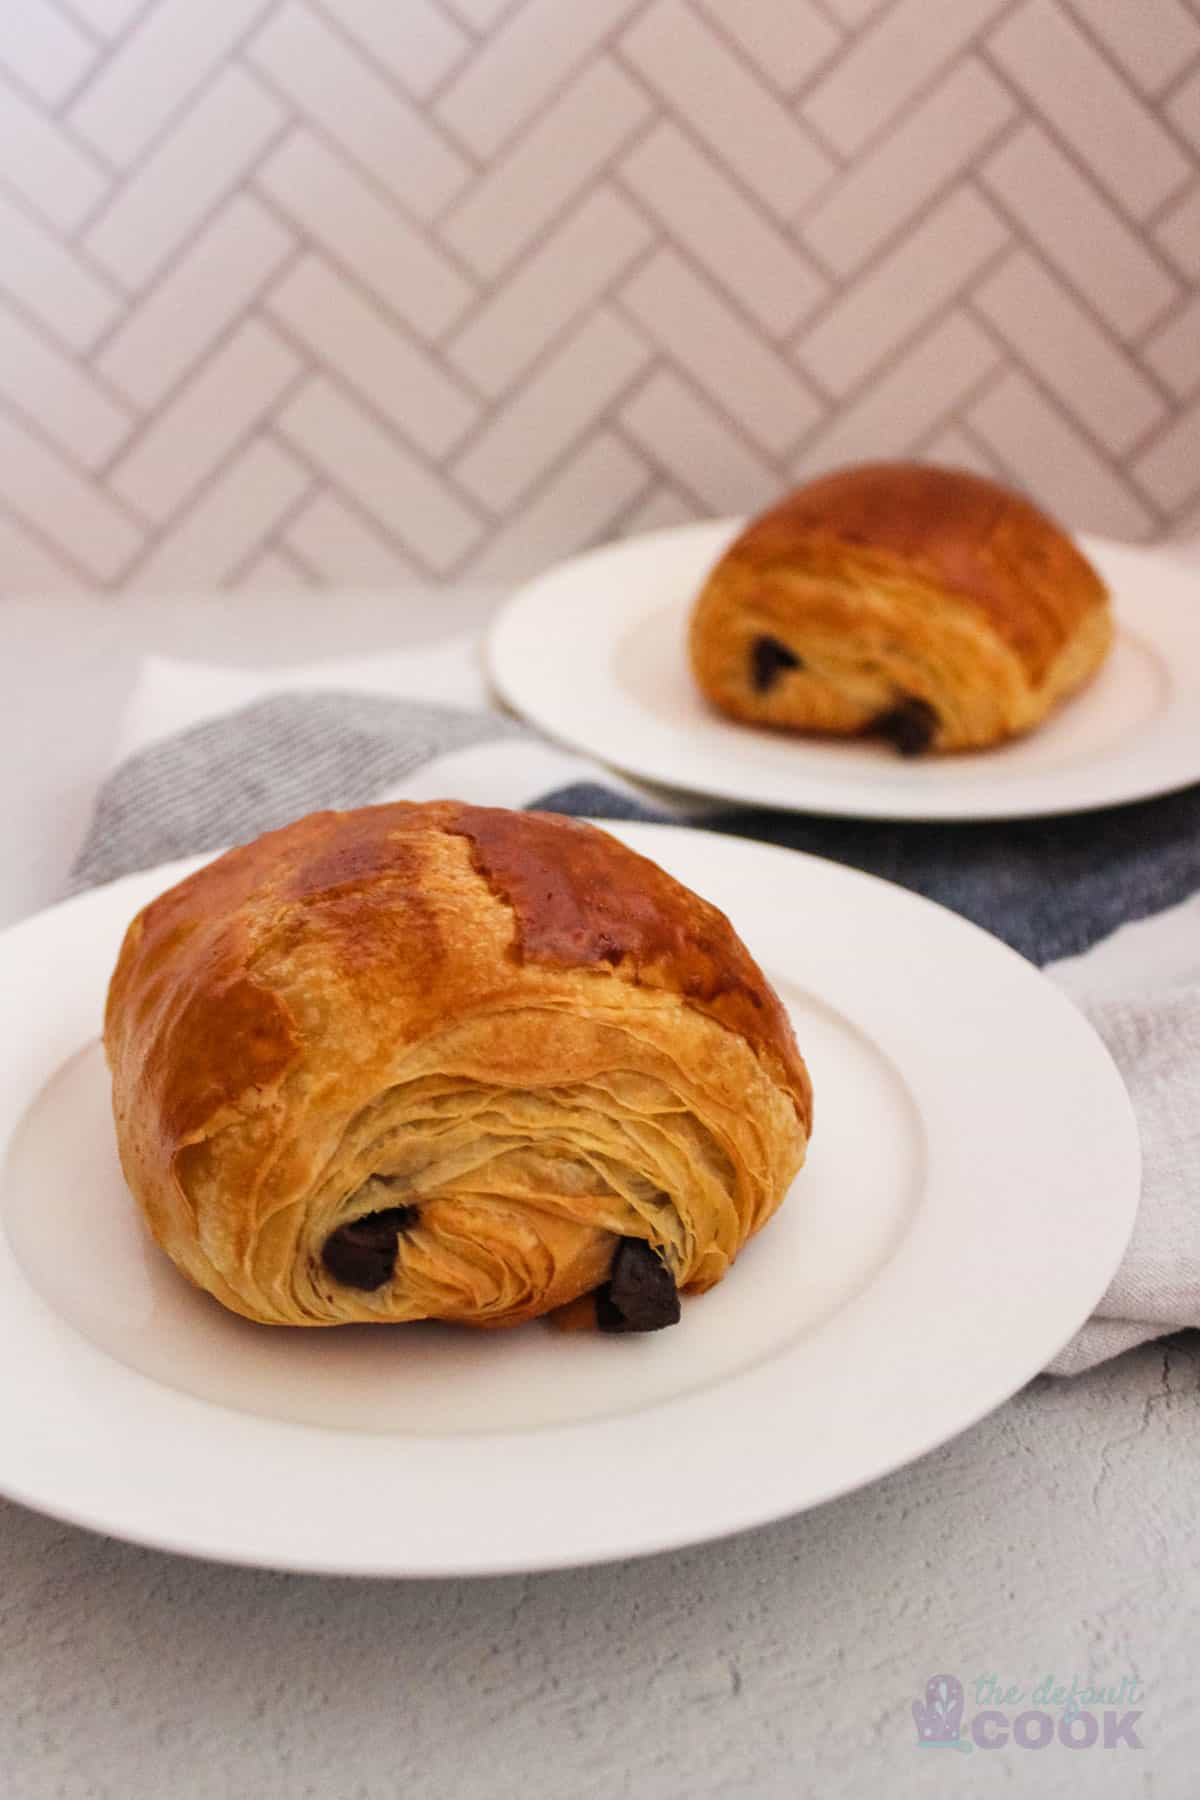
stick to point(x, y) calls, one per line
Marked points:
point(1108, 902)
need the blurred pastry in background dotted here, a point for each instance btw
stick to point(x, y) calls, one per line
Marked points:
point(925, 606)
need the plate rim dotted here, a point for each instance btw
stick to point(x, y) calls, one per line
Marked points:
point(246, 1428)
point(506, 662)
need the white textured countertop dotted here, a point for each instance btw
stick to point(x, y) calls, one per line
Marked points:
point(1056, 1539)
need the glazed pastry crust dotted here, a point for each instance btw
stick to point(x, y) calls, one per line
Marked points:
point(507, 1021)
point(894, 583)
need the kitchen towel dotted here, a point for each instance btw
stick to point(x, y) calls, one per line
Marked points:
point(1108, 903)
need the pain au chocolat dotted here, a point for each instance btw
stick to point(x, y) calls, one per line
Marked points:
point(449, 1062)
point(925, 606)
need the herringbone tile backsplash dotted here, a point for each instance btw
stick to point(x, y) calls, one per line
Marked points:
point(305, 292)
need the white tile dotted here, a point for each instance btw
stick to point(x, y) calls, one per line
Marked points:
point(479, 13)
point(895, 57)
point(41, 488)
point(107, 17)
point(574, 385)
point(1151, 43)
point(274, 572)
point(359, 457)
point(516, 197)
point(1178, 231)
point(58, 395)
point(161, 205)
point(763, 271)
point(28, 567)
point(1121, 141)
point(853, 12)
point(216, 408)
point(1078, 362)
point(695, 327)
point(347, 333)
point(338, 210)
point(1174, 351)
point(179, 320)
point(1054, 463)
point(242, 507)
point(340, 546)
point(337, 88)
point(509, 79)
point(418, 42)
point(49, 280)
point(164, 61)
point(954, 449)
point(695, 446)
point(742, 121)
point(1169, 470)
point(41, 163)
point(786, 39)
point(548, 289)
point(882, 190)
point(1184, 109)
point(574, 509)
point(1077, 229)
point(912, 281)
point(898, 409)
point(662, 509)
point(46, 52)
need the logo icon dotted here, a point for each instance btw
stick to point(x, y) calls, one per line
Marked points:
point(939, 1716)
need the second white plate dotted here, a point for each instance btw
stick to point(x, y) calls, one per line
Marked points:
point(593, 652)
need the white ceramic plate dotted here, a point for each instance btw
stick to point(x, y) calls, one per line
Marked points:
point(970, 1188)
point(593, 653)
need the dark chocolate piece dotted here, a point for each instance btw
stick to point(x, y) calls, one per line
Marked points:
point(640, 1293)
point(769, 658)
point(909, 725)
point(363, 1254)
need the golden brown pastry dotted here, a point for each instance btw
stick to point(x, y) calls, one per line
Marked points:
point(449, 1062)
point(923, 605)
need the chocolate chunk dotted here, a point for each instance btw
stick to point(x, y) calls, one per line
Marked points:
point(910, 725)
point(640, 1293)
point(363, 1254)
point(768, 659)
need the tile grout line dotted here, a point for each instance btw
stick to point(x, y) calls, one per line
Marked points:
point(153, 416)
point(600, 299)
point(936, 321)
point(228, 579)
point(1123, 477)
point(159, 529)
point(125, 174)
point(384, 421)
point(1157, 108)
point(713, 22)
point(329, 484)
point(1034, 115)
point(245, 314)
point(1118, 340)
point(964, 174)
point(57, 553)
point(873, 262)
point(511, 138)
point(557, 463)
point(1114, 460)
point(418, 106)
point(920, 93)
point(663, 351)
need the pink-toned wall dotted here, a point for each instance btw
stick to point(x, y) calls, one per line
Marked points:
point(309, 292)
